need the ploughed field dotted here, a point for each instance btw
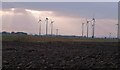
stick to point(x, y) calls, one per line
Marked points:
point(60, 55)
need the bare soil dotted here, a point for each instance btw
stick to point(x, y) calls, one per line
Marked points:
point(60, 55)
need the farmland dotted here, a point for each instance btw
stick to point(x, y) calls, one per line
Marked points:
point(30, 38)
point(24, 52)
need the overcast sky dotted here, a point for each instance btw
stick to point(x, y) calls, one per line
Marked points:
point(68, 17)
point(75, 8)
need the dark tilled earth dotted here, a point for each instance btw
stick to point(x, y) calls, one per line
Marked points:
point(59, 55)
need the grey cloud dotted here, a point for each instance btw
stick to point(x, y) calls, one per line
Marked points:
point(76, 9)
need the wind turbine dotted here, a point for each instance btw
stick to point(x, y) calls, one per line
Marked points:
point(109, 35)
point(93, 26)
point(83, 29)
point(117, 30)
point(87, 27)
point(39, 21)
point(46, 26)
point(52, 27)
point(57, 31)
point(119, 20)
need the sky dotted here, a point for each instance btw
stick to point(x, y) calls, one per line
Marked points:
point(67, 16)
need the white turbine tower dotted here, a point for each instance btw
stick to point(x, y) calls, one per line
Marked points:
point(119, 20)
point(117, 30)
point(87, 27)
point(93, 27)
point(39, 21)
point(109, 35)
point(83, 29)
point(46, 26)
point(57, 31)
point(52, 27)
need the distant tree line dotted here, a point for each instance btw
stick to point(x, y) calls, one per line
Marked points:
point(64, 36)
point(14, 33)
